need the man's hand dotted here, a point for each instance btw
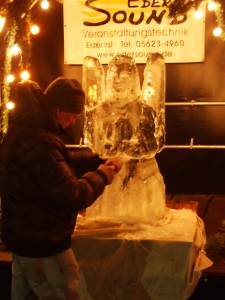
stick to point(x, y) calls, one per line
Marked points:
point(110, 168)
point(114, 162)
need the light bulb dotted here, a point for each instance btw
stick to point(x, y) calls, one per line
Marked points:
point(15, 49)
point(10, 105)
point(25, 75)
point(198, 14)
point(45, 4)
point(10, 78)
point(217, 31)
point(34, 29)
point(212, 6)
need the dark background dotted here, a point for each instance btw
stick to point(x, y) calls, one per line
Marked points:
point(185, 171)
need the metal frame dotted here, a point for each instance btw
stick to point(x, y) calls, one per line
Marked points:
point(191, 145)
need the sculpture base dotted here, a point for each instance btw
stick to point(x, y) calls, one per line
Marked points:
point(139, 261)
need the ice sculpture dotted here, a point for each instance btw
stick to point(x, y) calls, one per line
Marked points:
point(125, 121)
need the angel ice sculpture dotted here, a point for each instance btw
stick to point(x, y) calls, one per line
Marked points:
point(123, 120)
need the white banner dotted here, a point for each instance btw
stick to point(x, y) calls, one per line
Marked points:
point(104, 28)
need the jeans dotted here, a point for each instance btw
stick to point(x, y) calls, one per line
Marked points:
point(46, 278)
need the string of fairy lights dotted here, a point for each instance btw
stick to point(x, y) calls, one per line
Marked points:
point(13, 49)
point(17, 29)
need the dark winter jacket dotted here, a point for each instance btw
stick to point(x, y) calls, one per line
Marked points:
point(42, 186)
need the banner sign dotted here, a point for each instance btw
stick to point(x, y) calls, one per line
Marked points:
point(104, 28)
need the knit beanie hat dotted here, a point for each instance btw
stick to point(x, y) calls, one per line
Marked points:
point(66, 94)
point(29, 102)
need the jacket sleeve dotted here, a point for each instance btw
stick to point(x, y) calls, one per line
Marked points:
point(84, 160)
point(59, 184)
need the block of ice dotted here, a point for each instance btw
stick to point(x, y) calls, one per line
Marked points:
point(136, 195)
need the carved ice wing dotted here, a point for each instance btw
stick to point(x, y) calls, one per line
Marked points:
point(93, 81)
point(153, 90)
point(153, 87)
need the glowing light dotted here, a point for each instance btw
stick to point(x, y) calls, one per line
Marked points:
point(10, 78)
point(15, 49)
point(212, 6)
point(2, 22)
point(45, 4)
point(25, 75)
point(34, 29)
point(10, 105)
point(198, 14)
point(217, 31)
